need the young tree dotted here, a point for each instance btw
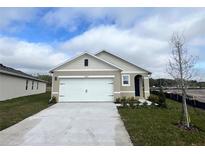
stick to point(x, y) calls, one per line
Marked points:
point(180, 67)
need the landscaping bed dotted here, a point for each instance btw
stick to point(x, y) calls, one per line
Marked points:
point(148, 125)
point(14, 110)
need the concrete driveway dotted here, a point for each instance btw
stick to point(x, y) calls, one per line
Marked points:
point(69, 124)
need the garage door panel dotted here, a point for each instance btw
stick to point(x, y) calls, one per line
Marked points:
point(93, 89)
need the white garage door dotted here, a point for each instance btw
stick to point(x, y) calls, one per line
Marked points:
point(89, 89)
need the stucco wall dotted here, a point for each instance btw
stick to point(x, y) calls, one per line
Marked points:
point(146, 87)
point(12, 87)
point(130, 90)
point(119, 90)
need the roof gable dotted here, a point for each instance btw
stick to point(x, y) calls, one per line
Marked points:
point(120, 62)
point(77, 63)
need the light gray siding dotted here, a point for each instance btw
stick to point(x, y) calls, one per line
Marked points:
point(125, 66)
point(12, 87)
point(78, 63)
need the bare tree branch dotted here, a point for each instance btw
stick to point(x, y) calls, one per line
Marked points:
point(181, 68)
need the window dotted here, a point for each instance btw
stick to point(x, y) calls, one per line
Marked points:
point(26, 84)
point(36, 85)
point(125, 80)
point(32, 85)
point(86, 62)
point(56, 78)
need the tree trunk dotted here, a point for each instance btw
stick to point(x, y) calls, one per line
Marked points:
point(185, 115)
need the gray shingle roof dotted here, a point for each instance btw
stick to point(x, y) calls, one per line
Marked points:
point(14, 72)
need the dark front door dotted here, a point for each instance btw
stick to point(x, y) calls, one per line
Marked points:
point(137, 86)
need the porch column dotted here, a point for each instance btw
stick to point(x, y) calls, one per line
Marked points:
point(146, 87)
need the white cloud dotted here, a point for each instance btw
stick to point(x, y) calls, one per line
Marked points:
point(12, 18)
point(162, 25)
point(146, 44)
point(29, 57)
point(139, 35)
point(151, 21)
point(71, 18)
point(39, 57)
point(146, 52)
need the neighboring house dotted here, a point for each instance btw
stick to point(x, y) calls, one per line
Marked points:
point(14, 83)
point(100, 77)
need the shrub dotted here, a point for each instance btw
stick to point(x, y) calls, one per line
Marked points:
point(153, 99)
point(131, 101)
point(145, 104)
point(162, 99)
point(118, 100)
point(132, 98)
point(53, 100)
point(124, 101)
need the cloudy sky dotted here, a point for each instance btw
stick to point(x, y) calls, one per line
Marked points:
point(35, 40)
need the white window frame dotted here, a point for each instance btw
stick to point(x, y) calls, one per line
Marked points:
point(128, 80)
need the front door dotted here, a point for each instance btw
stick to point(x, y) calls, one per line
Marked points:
point(137, 86)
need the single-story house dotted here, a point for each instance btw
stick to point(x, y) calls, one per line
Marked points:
point(15, 83)
point(100, 77)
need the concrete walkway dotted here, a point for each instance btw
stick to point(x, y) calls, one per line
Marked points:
point(70, 124)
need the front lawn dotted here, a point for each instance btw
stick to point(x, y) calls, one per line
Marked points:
point(14, 110)
point(156, 126)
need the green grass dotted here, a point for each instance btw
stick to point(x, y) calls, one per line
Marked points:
point(14, 110)
point(156, 126)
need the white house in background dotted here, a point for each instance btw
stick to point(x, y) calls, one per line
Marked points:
point(14, 83)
